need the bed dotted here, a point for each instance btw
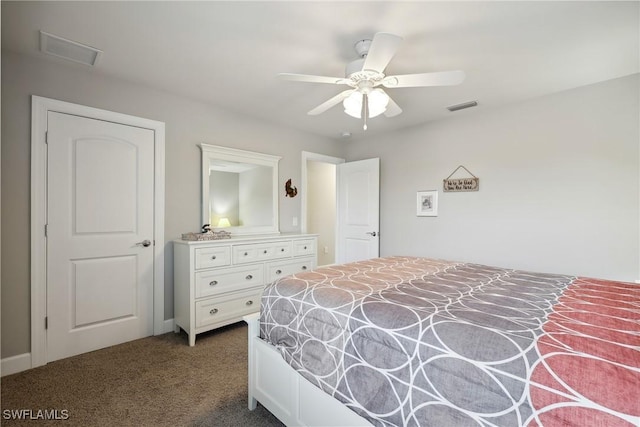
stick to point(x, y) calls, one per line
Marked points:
point(407, 341)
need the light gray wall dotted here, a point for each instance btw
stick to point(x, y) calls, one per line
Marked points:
point(559, 184)
point(188, 123)
point(321, 208)
point(559, 176)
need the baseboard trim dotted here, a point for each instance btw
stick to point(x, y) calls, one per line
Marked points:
point(168, 325)
point(22, 362)
point(15, 364)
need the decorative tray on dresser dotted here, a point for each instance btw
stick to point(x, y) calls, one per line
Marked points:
point(217, 282)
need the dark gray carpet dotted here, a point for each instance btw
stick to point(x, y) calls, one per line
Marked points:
point(155, 381)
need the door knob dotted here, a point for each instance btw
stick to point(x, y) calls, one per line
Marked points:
point(144, 243)
point(373, 233)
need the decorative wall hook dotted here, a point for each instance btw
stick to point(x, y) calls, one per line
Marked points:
point(291, 191)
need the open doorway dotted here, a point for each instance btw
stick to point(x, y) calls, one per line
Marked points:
point(340, 203)
point(319, 202)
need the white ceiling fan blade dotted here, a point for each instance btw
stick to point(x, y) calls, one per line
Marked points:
point(392, 109)
point(331, 102)
point(442, 78)
point(383, 47)
point(312, 79)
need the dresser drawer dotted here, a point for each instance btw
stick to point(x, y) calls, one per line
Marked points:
point(261, 252)
point(218, 256)
point(218, 281)
point(276, 270)
point(304, 247)
point(214, 310)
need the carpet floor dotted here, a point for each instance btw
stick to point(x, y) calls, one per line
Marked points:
point(155, 381)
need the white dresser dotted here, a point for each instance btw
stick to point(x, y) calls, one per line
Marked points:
point(217, 282)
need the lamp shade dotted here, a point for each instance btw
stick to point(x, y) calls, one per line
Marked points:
point(353, 104)
point(377, 103)
point(224, 222)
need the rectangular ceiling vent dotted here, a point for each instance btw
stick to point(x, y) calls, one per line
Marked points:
point(462, 106)
point(68, 49)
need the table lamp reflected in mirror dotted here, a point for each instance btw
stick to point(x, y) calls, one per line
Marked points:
point(224, 222)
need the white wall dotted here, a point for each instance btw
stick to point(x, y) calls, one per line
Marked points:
point(559, 184)
point(188, 123)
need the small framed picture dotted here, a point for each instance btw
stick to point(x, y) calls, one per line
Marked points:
point(427, 203)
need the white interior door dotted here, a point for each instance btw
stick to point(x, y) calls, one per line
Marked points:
point(358, 209)
point(99, 234)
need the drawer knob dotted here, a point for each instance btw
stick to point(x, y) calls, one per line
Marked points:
point(213, 283)
point(249, 302)
point(246, 253)
point(249, 277)
point(304, 267)
point(282, 250)
point(214, 257)
point(278, 271)
point(213, 311)
point(265, 251)
point(305, 247)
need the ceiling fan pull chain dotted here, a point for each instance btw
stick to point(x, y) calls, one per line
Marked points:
point(365, 109)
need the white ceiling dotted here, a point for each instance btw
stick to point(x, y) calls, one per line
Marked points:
point(228, 53)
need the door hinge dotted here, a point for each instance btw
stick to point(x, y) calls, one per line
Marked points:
point(46, 137)
point(46, 322)
point(46, 229)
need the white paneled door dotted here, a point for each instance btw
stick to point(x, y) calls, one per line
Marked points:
point(100, 223)
point(358, 235)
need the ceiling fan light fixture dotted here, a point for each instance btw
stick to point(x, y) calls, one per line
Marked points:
point(377, 103)
point(353, 105)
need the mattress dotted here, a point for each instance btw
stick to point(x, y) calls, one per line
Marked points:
point(407, 341)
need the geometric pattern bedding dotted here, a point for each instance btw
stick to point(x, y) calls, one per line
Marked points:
point(406, 341)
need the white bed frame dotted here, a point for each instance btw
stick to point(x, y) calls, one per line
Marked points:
point(285, 393)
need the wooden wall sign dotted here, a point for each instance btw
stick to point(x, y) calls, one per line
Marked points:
point(461, 184)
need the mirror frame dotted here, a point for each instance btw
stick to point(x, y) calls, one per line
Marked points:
point(235, 155)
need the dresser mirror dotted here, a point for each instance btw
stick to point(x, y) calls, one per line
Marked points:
point(239, 190)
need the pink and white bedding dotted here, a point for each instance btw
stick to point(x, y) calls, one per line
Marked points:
point(407, 341)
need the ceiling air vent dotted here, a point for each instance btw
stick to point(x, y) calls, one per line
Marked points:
point(462, 106)
point(68, 49)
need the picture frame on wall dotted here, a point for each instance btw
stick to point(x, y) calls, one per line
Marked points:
point(427, 203)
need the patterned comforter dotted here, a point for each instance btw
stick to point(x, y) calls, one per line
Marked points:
point(409, 341)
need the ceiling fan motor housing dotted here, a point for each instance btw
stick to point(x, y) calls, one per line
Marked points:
point(362, 47)
point(353, 67)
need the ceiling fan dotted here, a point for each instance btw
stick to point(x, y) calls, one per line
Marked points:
point(365, 99)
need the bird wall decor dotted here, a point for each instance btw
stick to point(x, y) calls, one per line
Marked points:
point(290, 190)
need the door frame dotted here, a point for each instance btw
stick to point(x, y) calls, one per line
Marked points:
point(40, 107)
